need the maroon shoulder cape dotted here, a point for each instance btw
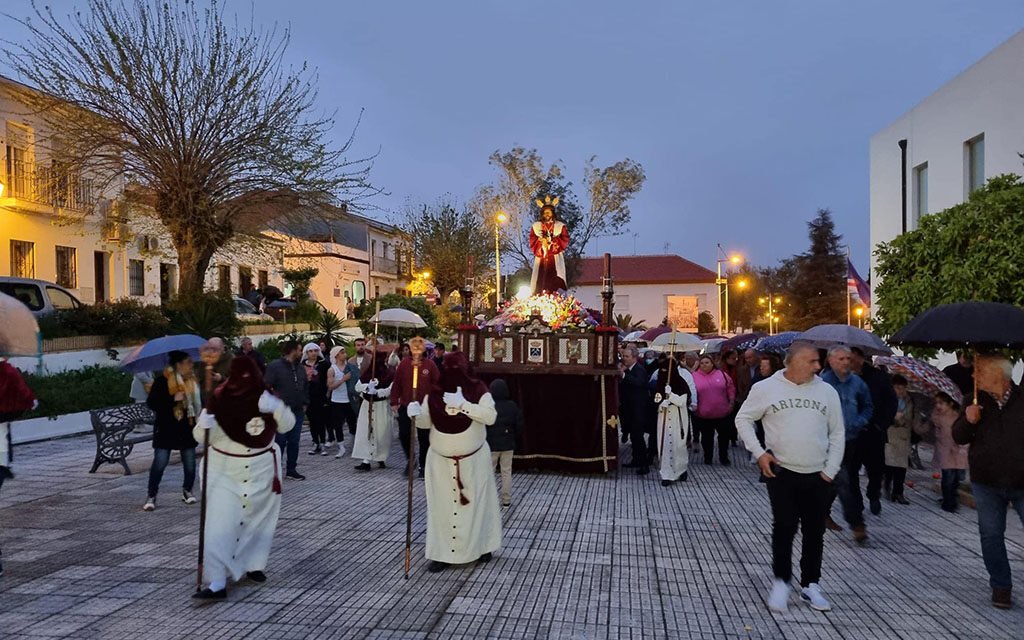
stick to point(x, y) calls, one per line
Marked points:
point(454, 375)
point(236, 401)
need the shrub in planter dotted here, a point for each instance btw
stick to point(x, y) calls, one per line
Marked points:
point(123, 321)
point(207, 315)
point(93, 387)
point(271, 349)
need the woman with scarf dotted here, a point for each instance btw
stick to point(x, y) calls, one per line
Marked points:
point(317, 407)
point(463, 519)
point(672, 397)
point(175, 400)
point(373, 434)
point(243, 491)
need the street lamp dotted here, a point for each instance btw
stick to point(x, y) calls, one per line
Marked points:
point(771, 300)
point(734, 259)
point(499, 219)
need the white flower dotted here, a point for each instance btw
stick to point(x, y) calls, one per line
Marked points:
point(255, 426)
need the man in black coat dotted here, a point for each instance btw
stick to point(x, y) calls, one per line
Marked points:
point(885, 403)
point(634, 399)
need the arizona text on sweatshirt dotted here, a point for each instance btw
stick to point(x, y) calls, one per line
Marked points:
point(803, 424)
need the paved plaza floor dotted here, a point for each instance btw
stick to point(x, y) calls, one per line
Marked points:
point(583, 557)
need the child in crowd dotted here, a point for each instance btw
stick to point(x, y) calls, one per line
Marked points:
point(950, 457)
point(501, 436)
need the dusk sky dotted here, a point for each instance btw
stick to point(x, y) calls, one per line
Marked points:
point(746, 115)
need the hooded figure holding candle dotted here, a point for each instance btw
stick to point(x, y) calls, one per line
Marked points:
point(463, 518)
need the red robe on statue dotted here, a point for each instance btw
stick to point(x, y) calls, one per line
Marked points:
point(548, 240)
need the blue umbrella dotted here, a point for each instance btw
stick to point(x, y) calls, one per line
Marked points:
point(742, 342)
point(776, 344)
point(152, 356)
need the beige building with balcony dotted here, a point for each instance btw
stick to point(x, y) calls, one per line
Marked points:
point(66, 229)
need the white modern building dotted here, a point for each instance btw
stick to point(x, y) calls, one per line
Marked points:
point(931, 158)
point(651, 288)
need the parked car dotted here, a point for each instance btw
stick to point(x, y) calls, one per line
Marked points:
point(282, 308)
point(246, 312)
point(40, 296)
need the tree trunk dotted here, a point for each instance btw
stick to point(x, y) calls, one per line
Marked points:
point(193, 262)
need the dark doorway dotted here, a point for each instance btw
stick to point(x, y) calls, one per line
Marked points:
point(101, 269)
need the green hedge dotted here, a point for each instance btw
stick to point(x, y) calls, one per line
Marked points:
point(93, 387)
point(125, 320)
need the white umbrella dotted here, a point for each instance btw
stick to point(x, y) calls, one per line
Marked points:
point(19, 331)
point(398, 318)
point(682, 342)
point(632, 336)
point(712, 345)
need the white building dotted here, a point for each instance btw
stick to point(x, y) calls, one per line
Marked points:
point(65, 230)
point(651, 288)
point(933, 156)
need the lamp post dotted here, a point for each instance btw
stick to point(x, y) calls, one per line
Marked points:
point(499, 219)
point(773, 320)
point(859, 312)
point(723, 314)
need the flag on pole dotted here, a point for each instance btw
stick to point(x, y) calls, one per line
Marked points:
point(856, 285)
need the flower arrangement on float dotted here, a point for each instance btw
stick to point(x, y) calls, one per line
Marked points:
point(557, 311)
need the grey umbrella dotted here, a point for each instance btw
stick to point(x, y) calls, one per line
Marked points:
point(831, 335)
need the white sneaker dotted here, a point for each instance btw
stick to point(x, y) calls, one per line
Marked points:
point(341, 451)
point(150, 504)
point(778, 599)
point(815, 599)
point(187, 497)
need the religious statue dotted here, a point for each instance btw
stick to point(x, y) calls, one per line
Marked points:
point(548, 240)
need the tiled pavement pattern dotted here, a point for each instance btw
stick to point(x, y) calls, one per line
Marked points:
point(584, 557)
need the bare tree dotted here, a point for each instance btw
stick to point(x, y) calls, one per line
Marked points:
point(194, 110)
point(443, 238)
point(522, 176)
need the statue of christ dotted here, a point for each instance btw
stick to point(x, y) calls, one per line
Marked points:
point(548, 240)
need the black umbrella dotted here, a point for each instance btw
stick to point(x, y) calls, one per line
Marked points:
point(976, 325)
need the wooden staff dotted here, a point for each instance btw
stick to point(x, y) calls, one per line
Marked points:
point(412, 459)
point(373, 371)
point(208, 359)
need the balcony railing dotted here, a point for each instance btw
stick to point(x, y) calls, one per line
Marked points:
point(44, 185)
point(384, 265)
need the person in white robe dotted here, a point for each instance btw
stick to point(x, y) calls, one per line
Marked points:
point(463, 517)
point(243, 490)
point(672, 398)
point(373, 435)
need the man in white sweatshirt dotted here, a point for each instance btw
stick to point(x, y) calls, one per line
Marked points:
point(805, 438)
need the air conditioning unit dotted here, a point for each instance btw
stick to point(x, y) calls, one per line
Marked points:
point(148, 243)
point(154, 243)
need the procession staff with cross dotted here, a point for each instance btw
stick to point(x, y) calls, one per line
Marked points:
point(672, 397)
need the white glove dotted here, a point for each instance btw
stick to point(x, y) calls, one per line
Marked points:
point(668, 389)
point(413, 409)
point(666, 403)
point(371, 388)
point(206, 420)
point(455, 400)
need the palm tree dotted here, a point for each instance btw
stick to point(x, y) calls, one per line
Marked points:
point(626, 323)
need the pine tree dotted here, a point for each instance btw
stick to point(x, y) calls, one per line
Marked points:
point(818, 289)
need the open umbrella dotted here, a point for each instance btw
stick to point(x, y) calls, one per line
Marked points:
point(712, 345)
point(742, 342)
point(978, 325)
point(19, 331)
point(831, 335)
point(777, 344)
point(921, 376)
point(152, 356)
point(654, 332)
point(632, 336)
point(398, 318)
point(676, 342)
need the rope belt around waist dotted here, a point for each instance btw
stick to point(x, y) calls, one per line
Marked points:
point(271, 451)
point(463, 500)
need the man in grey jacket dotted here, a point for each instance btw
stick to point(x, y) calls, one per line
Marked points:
point(805, 438)
point(286, 378)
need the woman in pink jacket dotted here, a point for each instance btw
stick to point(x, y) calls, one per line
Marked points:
point(949, 456)
point(715, 395)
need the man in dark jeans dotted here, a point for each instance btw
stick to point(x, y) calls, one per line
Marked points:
point(995, 430)
point(855, 398)
point(883, 413)
point(634, 398)
point(286, 378)
point(803, 423)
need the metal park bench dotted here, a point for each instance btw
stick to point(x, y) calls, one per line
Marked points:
point(115, 430)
